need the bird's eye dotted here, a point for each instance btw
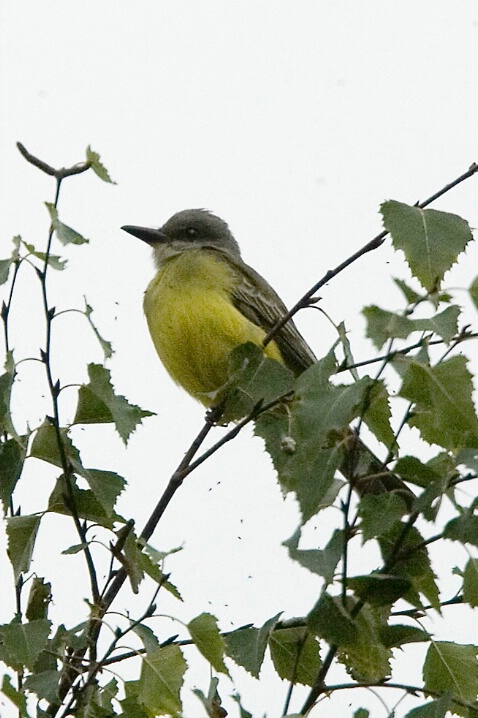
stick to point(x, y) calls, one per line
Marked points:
point(191, 232)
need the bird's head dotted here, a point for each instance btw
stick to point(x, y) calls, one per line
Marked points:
point(188, 229)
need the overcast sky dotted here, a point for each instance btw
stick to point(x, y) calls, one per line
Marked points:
point(291, 120)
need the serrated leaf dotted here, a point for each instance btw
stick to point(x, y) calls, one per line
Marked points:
point(431, 240)
point(253, 378)
point(162, 676)
point(470, 582)
point(105, 345)
point(5, 265)
point(6, 383)
point(22, 532)
point(45, 445)
point(39, 599)
point(383, 325)
point(106, 486)
point(87, 505)
point(45, 685)
point(379, 513)
point(247, 646)
point(433, 709)
point(66, 235)
point(379, 589)
point(132, 561)
point(444, 411)
point(23, 642)
point(378, 414)
point(318, 417)
point(53, 260)
point(452, 667)
point(98, 403)
point(320, 561)
point(474, 292)
point(12, 457)
point(408, 292)
point(463, 529)
point(16, 697)
point(296, 655)
point(97, 166)
point(398, 634)
point(330, 620)
point(367, 660)
point(414, 565)
point(205, 634)
point(211, 702)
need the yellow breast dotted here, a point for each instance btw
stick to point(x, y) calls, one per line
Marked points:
point(193, 323)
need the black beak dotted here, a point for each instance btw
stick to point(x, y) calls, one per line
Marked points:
point(150, 236)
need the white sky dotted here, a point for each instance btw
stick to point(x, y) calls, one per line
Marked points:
point(293, 121)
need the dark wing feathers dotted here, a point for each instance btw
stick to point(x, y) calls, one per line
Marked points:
point(256, 300)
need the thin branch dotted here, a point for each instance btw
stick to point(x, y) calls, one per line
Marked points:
point(59, 174)
point(375, 243)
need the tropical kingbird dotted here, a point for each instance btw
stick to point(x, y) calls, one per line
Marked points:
point(205, 300)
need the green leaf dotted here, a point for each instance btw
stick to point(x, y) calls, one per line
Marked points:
point(97, 166)
point(6, 383)
point(162, 676)
point(383, 325)
point(39, 599)
point(17, 698)
point(132, 561)
point(45, 685)
point(367, 660)
point(320, 561)
point(53, 260)
point(87, 505)
point(378, 414)
point(361, 713)
point(106, 486)
point(470, 582)
point(379, 513)
point(12, 457)
point(45, 445)
point(97, 403)
point(105, 345)
point(148, 638)
point(242, 711)
point(398, 634)
point(208, 640)
point(318, 417)
point(295, 654)
point(409, 468)
point(330, 620)
point(5, 265)
point(212, 702)
point(410, 294)
point(23, 642)
point(379, 589)
point(433, 709)
point(130, 705)
point(22, 532)
point(253, 379)
point(66, 235)
point(414, 563)
point(452, 667)
point(444, 411)
point(474, 292)
point(151, 568)
point(247, 646)
point(463, 529)
point(431, 240)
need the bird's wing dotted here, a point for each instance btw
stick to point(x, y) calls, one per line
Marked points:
point(253, 296)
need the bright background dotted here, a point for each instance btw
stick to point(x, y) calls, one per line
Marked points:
point(293, 121)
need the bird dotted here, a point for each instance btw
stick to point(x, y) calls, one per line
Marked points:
point(204, 301)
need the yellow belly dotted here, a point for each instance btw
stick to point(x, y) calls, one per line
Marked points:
point(194, 325)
